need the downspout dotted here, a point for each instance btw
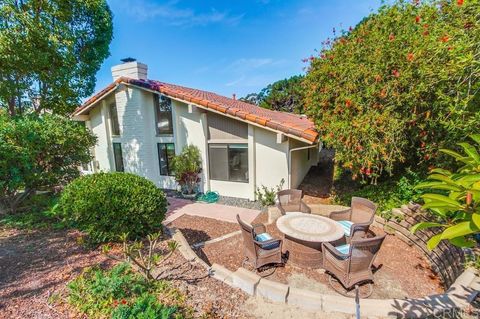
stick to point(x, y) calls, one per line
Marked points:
point(289, 182)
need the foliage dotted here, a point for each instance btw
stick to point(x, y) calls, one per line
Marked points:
point(455, 198)
point(187, 168)
point(388, 194)
point(106, 205)
point(144, 307)
point(39, 152)
point(145, 260)
point(267, 196)
point(50, 52)
point(121, 293)
point(284, 95)
point(399, 85)
point(252, 98)
point(38, 212)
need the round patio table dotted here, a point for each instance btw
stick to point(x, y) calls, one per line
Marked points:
point(304, 235)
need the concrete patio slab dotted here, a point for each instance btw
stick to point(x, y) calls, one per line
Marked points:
point(179, 207)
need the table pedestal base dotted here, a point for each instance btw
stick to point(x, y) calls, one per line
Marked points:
point(303, 253)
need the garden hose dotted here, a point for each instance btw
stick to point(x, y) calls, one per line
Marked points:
point(209, 197)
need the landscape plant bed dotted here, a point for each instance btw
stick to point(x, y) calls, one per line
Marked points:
point(37, 265)
point(401, 268)
point(201, 229)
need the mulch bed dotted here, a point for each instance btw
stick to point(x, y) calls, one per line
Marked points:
point(200, 229)
point(36, 265)
point(398, 262)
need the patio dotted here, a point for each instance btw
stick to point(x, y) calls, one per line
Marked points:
point(211, 229)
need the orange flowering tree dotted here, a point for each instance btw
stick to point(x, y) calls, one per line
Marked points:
point(401, 84)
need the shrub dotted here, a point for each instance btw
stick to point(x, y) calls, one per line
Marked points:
point(106, 205)
point(187, 167)
point(267, 196)
point(38, 152)
point(121, 293)
point(397, 86)
point(455, 198)
point(388, 194)
point(41, 212)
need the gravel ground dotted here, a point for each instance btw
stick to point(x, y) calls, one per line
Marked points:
point(224, 200)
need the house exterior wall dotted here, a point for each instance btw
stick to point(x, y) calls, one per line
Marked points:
point(190, 129)
point(267, 159)
point(271, 159)
point(301, 162)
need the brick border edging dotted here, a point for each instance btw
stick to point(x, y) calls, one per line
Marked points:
point(459, 296)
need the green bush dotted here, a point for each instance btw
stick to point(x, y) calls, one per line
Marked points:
point(144, 307)
point(187, 167)
point(106, 205)
point(267, 196)
point(122, 293)
point(388, 194)
point(454, 198)
point(39, 212)
point(39, 152)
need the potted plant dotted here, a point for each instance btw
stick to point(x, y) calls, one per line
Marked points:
point(187, 168)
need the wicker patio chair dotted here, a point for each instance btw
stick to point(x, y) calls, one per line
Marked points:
point(356, 219)
point(259, 253)
point(290, 200)
point(351, 264)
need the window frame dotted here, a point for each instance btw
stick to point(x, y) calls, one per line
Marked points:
point(114, 124)
point(165, 148)
point(159, 114)
point(115, 159)
point(228, 147)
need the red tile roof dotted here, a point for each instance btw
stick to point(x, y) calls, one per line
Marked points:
point(288, 123)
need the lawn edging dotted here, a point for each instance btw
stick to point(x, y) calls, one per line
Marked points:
point(458, 297)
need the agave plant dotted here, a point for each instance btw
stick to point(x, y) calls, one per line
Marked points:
point(454, 198)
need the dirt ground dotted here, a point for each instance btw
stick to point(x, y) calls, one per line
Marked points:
point(35, 266)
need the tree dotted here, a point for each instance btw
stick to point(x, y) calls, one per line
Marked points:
point(284, 95)
point(397, 87)
point(50, 51)
point(38, 152)
point(251, 98)
point(455, 199)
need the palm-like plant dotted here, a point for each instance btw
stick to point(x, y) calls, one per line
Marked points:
point(455, 198)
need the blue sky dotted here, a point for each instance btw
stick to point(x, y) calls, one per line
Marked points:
point(230, 46)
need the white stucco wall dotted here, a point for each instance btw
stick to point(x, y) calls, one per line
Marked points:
point(271, 158)
point(190, 129)
point(300, 164)
point(102, 152)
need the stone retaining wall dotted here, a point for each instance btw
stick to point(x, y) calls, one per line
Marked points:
point(446, 260)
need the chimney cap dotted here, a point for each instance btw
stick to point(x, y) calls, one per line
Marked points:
point(128, 59)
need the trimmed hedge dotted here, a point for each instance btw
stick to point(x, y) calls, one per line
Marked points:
point(106, 205)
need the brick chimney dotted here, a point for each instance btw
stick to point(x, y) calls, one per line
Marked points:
point(130, 68)
point(234, 96)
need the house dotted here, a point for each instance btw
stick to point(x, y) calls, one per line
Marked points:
point(141, 124)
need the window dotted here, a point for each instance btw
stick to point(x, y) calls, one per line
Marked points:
point(163, 112)
point(229, 162)
point(117, 155)
point(114, 119)
point(166, 152)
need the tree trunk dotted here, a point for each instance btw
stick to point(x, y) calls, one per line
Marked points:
point(11, 106)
